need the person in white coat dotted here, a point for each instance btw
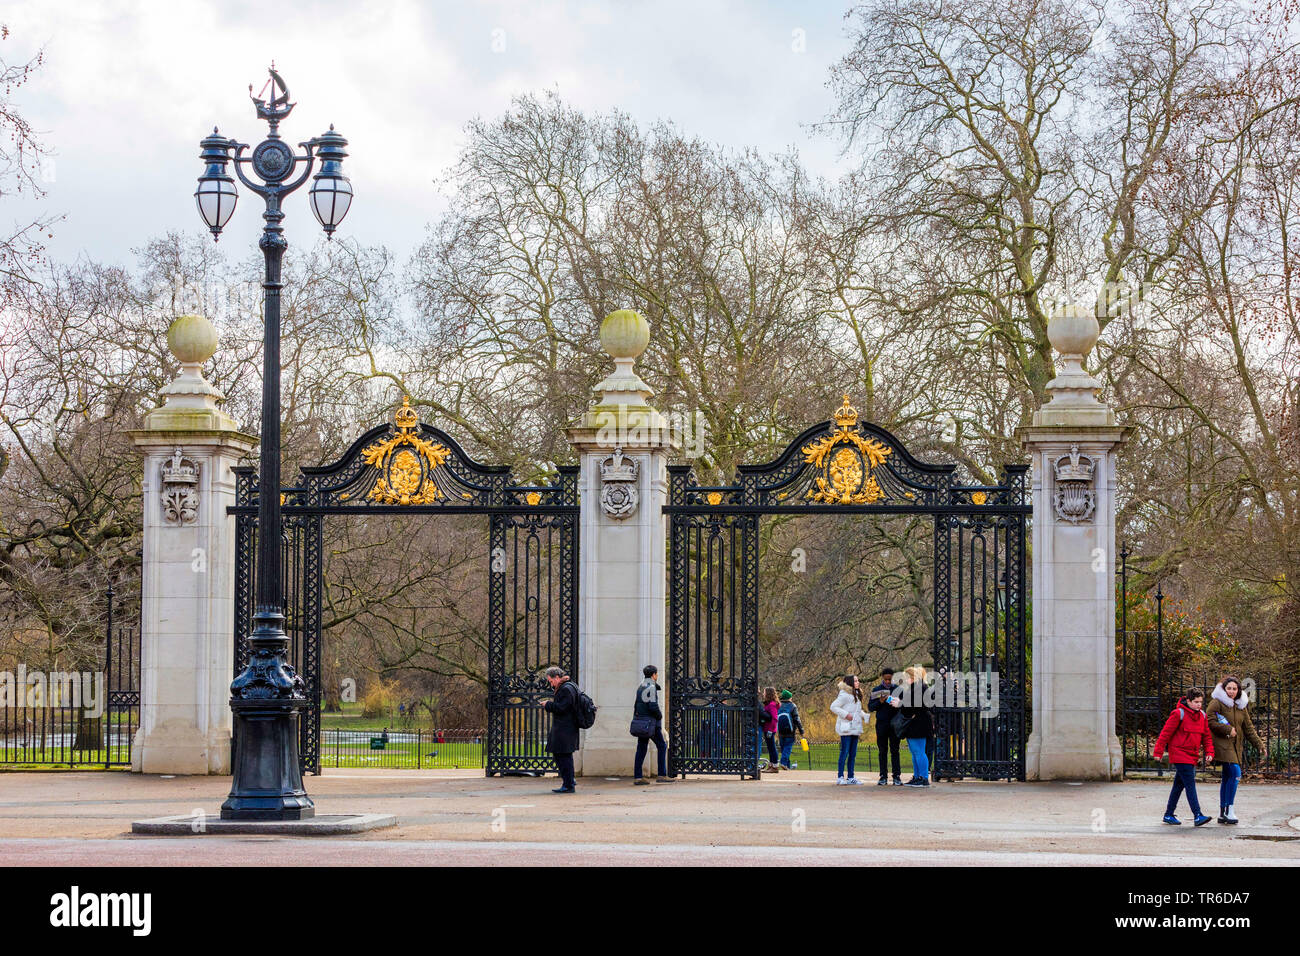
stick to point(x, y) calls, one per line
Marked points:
point(850, 721)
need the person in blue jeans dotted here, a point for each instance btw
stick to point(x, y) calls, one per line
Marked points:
point(789, 727)
point(1229, 716)
point(1185, 734)
point(850, 722)
point(910, 700)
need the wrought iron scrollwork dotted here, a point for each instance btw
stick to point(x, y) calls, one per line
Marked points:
point(852, 467)
point(532, 574)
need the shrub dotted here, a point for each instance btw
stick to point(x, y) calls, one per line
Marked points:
point(1279, 754)
point(379, 699)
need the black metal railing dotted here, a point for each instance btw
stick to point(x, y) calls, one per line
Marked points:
point(79, 716)
point(1148, 687)
point(457, 749)
point(463, 750)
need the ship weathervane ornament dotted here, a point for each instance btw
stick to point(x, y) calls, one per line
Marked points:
point(1075, 498)
point(405, 462)
point(845, 460)
point(180, 489)
point(618, 477)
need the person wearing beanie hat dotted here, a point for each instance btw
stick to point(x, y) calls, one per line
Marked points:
point(788, 727)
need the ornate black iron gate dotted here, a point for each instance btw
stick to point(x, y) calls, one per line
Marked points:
point(412, 468)
point(848, 467)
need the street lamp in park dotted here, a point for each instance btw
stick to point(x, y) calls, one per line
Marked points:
point(268, 696)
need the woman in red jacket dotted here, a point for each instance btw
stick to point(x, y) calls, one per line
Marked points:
point(1184, 733)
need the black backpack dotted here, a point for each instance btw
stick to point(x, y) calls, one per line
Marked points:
point(584, 709)
point(785, 721)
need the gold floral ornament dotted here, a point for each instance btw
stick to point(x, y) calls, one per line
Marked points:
point(405, 462)
point(845, 460)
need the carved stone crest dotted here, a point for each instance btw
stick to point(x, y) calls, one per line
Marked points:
point(180, 489)
point(618, 477)
point(1075, 497)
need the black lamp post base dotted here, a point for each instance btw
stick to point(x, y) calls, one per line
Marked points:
point(267, 782)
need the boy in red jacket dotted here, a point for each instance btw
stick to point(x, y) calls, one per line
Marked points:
point(1184, 733)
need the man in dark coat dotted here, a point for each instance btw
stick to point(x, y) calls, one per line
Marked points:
point(886, 740)
point(562, 738)
point(647, 706)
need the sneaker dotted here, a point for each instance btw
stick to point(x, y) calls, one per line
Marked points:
point(898, 781)
point(563, 790)
point(641, 782)
point(882, 782)
point(665, 779)
point(853, 782)
point(1201, 820)
point(1172, 820)
point(839, 781)
point(917, 782)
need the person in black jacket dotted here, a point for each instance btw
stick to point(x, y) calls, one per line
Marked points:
point(919, 723)
point(647, 705)
point(562, 738)
point(886, 739)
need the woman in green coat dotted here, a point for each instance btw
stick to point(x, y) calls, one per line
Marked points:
point(1230, 724)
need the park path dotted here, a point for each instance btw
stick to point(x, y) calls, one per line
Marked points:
point(249, 851)
point(798, 818)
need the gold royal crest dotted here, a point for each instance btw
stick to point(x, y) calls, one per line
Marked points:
point(845, 460)
point(405, 463)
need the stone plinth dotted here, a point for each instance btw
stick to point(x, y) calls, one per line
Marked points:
point(332, 824)
point(624, 446)
point(1072, 444)
point(187, 600)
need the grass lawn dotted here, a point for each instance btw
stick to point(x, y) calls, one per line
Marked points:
point(351, 719)
point(34, 758)
point(826, 756)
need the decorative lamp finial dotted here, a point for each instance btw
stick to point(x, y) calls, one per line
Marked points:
point(278, 106)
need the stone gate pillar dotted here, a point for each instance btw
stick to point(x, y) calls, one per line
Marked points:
point(1072, 443)
point(187, 581)
point(624, 445)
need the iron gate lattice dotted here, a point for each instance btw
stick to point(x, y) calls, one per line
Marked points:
point(412, 468)
point(848, 467)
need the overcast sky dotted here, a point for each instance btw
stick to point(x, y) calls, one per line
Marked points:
point(128, 88)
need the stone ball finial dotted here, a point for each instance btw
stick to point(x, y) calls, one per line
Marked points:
point(624, 334)
point(192, 339)
point(1073, 329)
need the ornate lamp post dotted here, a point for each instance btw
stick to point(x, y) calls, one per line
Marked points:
point(268, 696)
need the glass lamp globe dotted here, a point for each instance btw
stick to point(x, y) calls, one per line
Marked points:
point(331, 191)
point(216, 195)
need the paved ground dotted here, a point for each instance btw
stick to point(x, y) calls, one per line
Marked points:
point(800, 818)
